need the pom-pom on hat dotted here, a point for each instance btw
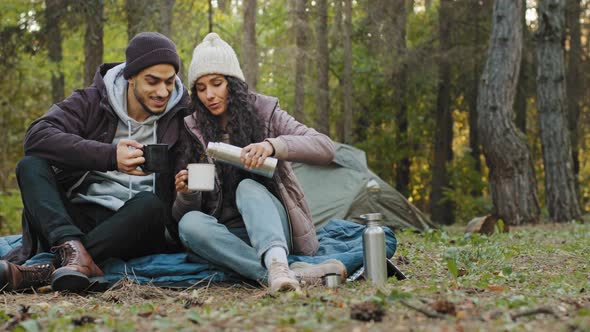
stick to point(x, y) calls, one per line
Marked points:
point(148, 49)
point(214, 56)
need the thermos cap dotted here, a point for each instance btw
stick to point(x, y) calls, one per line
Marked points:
point(372, 216)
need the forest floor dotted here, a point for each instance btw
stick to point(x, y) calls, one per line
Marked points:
point(534, 278)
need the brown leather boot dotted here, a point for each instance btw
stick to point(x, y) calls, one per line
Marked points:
point(77, 267)
point(19, 277)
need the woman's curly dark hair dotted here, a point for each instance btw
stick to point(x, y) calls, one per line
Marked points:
point(244, 127)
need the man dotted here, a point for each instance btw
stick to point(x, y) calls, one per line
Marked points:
point(85, 196)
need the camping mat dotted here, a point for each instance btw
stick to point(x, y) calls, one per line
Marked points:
point(339, 239)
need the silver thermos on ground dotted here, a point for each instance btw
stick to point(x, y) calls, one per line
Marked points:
point(374, 255)
point(230, 154)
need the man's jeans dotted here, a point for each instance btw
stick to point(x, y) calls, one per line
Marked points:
point(135, 230)
point(240, 249)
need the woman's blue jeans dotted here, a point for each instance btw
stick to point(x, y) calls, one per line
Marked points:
point(240, 249)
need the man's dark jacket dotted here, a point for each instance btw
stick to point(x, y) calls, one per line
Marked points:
point(76, 136)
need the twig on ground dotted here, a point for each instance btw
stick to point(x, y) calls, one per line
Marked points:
point(426, 312)
point(195, 284)
point(209, 283)
point(532, 312)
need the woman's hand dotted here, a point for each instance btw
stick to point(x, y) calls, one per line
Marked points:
point(181, 182)
point(255, 154)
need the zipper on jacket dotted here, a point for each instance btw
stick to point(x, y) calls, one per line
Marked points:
point(276, 181)
point(282, 199)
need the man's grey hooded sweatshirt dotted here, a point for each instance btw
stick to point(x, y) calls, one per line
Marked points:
point(113, 188)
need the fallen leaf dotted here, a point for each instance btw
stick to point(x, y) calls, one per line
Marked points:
point(338, 304)
point(461, 314)
point(444, 307)
point(367, 311)
point(473, 290)
point(496, 288)
point(145, 314)
point(83, 320)
point(402, 260)
point(462, 271)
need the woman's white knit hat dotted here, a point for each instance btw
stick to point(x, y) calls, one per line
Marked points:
point(214, 56)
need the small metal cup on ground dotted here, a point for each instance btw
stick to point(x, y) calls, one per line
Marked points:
point(332, 280)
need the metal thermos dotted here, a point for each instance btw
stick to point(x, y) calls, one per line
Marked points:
point(374, 256)
point(230, 154)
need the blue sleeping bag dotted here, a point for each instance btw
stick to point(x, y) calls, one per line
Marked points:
point(339, 239)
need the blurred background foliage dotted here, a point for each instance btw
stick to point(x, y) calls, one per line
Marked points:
point(26, 87)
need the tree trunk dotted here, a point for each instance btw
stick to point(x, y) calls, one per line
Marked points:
point(562, 200)
point(520, 104)
point(166, 7)
point(481, 9)
point(250, 56)
point(375, 44)
point(427, 3)
point(140, 16)
point(323, 97)
point(210, 16)
point(53, 16)
point(398, 14)
point(512, 178)
point(300, 58)
point(475, 150)
point(338, 23)
point(93, 38)
point(442, 211)
point(338, 43)
point(347, 87)
point(166, 17)
point(376, 10)
point(575, 81)
point(223, 5)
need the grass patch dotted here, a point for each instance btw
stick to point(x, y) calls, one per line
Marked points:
point(533, 278)
point(10, 212)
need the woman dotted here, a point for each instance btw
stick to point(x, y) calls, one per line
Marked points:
point(248, 224)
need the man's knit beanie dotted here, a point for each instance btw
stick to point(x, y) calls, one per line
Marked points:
point(213, 56)
point(148, 49)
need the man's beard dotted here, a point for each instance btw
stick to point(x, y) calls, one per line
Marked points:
point(142, 103)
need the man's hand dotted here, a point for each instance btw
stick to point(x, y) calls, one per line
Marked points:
point(129, 159)
point(180, 182)
point(255, 154)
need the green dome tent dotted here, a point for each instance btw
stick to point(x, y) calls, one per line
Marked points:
point(347, 188)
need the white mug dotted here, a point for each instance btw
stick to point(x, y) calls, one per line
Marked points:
point(201, 177)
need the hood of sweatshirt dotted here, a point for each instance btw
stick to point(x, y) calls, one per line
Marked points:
point(112, 189)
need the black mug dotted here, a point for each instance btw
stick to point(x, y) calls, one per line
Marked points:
point(156, 158)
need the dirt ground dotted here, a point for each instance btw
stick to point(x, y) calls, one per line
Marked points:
point(531, 279)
